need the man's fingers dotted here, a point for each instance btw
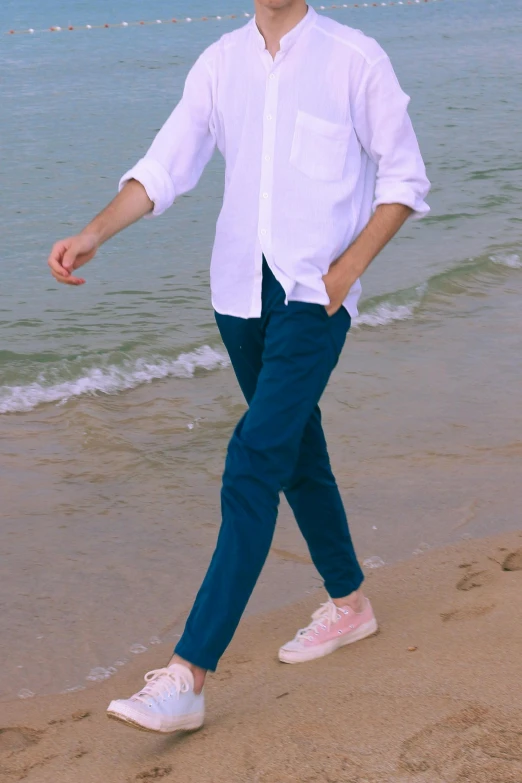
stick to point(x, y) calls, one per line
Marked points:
point(56, 257)
point(332, 309)
point(68, 260)
point(67, 279)
point(62, 261)
point(57, 269)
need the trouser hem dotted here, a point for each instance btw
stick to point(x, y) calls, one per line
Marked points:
point(337, 591)
point(195, 658)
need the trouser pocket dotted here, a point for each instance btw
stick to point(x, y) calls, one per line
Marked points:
point(339, 324)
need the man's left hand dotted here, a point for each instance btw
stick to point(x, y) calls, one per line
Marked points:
point(338, 281)
point(383, 225)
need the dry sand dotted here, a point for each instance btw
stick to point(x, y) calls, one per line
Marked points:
point(435, 697)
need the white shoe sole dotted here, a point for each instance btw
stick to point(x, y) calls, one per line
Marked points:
point(187, 723)
point(320, 650)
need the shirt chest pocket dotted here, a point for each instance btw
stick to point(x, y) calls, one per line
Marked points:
point(319, 147)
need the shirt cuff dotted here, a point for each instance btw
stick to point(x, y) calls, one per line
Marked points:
point(156, 181)
point(402, 194)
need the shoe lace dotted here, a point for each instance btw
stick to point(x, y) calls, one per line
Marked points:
point(163, 683)
point(324, 617)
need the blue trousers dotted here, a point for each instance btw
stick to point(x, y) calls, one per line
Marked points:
point(283, 361)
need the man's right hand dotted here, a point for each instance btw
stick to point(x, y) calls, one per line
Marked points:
point(131, 204)
point(70, 254)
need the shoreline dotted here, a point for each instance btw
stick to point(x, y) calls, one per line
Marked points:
point(127, 368)
point(447, 711)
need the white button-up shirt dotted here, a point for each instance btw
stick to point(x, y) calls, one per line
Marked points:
point(311, 139)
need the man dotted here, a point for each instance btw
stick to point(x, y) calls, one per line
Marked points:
point(322, 169)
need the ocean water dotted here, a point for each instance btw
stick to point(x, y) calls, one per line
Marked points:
point(80, 107)
point(117, 399)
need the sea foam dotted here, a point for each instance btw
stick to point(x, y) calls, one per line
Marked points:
point(109, 380)
point(384, 314)
point(507, 259)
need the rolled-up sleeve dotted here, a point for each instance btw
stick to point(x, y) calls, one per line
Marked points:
point(178, 155)
point(384, 129)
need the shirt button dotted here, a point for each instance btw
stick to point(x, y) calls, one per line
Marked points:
point(272, 76)
point(267, 157)
point(263, 231)
point(265, 195)
point(269, 116)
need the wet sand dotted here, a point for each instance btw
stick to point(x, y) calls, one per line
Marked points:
point(435, 697)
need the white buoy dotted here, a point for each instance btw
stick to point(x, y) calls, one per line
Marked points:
point(245, 14)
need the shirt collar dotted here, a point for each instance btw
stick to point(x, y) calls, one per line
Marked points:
point(288, 40)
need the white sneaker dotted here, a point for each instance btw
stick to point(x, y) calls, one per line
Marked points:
point(166, 704)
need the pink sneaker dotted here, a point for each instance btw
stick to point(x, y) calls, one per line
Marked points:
point(331, 627)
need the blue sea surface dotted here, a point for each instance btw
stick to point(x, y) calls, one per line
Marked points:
point(80, 107)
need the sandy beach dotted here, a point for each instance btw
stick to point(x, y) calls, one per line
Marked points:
point(435, 697)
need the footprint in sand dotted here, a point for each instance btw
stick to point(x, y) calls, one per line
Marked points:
point(80, 715)
point(16, 758)
point(466, 613)
point(475, 579)
point(14, 739)
point(22, 748)
point(472, 579)
point(157, 773)
point(476, 744)
point(513, 561)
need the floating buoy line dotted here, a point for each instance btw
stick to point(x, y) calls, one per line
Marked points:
point(191, 20)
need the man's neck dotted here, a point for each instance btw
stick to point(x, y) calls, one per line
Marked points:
point(275, 23)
